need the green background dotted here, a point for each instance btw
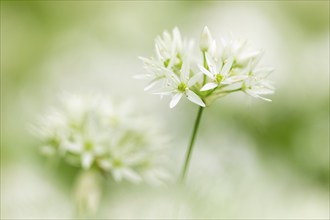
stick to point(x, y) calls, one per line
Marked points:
point(252, 159)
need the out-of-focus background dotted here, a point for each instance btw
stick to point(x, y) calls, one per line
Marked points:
point(252, 159)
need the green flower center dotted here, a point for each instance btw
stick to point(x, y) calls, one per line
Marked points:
point(218, 78)
point(117, 163)
point(182, 87)
point(166, 62)
point(88, 145)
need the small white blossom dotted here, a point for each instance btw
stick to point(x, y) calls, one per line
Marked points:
point(169, 50)
point(257, 85)
point(155, 73)
point(237, 48)
point(169, 47)
point(218, 74)
point(179, 86)
point(92, 133)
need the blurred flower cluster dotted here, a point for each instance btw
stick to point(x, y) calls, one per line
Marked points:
point(91, 132)
point(204, 73)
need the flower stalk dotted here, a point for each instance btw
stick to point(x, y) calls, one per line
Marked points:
point(191, 145)
point(87, 194)
point(224, 67)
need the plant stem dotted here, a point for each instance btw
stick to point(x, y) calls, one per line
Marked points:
point(191, 145)
point(205, 66)
point(227, 91)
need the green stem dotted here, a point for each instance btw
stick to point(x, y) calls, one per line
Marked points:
point(205, 66)
point(227, 91)
point(191, 144)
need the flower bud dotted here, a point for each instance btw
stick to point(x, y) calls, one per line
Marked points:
point(206, 39)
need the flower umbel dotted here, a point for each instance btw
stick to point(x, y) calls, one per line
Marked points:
point(224, 69)
point(93, 133)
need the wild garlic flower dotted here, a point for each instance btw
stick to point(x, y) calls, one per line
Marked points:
point(217, 70)
point(257, 84)
point(168, 48)
point(91, 132)
point(219, 75)
point(181, 86)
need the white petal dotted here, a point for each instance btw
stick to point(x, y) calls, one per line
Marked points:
point(185, 70)
point(172, 76)
point(209, 86)
point(193, 80)
point(87, 160)
point(175, 99)
point(150, 85)
point(263, 98)
point(213, 48)
point(206, 72)
point(253, 94)
point(177, 40)
point(75, 147)
point(267, 84)
point(252, 56)
point(48, 150)
point(211, 64)
point(234, 79)
point(239, 46)
point(162, 93)
point(117, 175)
point(159, 56)
point(172, 60)
point(105, 164)
point(263, 72)
point(131, 175)
point(145, 60)
point(263, 90)
point(167, 37)
point(227, 66)
point(194, 98)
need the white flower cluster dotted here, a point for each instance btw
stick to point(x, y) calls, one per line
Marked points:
point(91, 132)
point(215, 71)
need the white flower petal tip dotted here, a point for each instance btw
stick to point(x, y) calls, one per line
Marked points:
point(175, 100)
point(263, 98)
point(205, 71)
point(234, 79)
point(143, 59)
point(194, 98)
point(193, 80)
point(176, 34)
point(227, 66)
point(131, 175)
point(209, 86)
point(87, 160)
point(255, 94)
point(150, 85)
